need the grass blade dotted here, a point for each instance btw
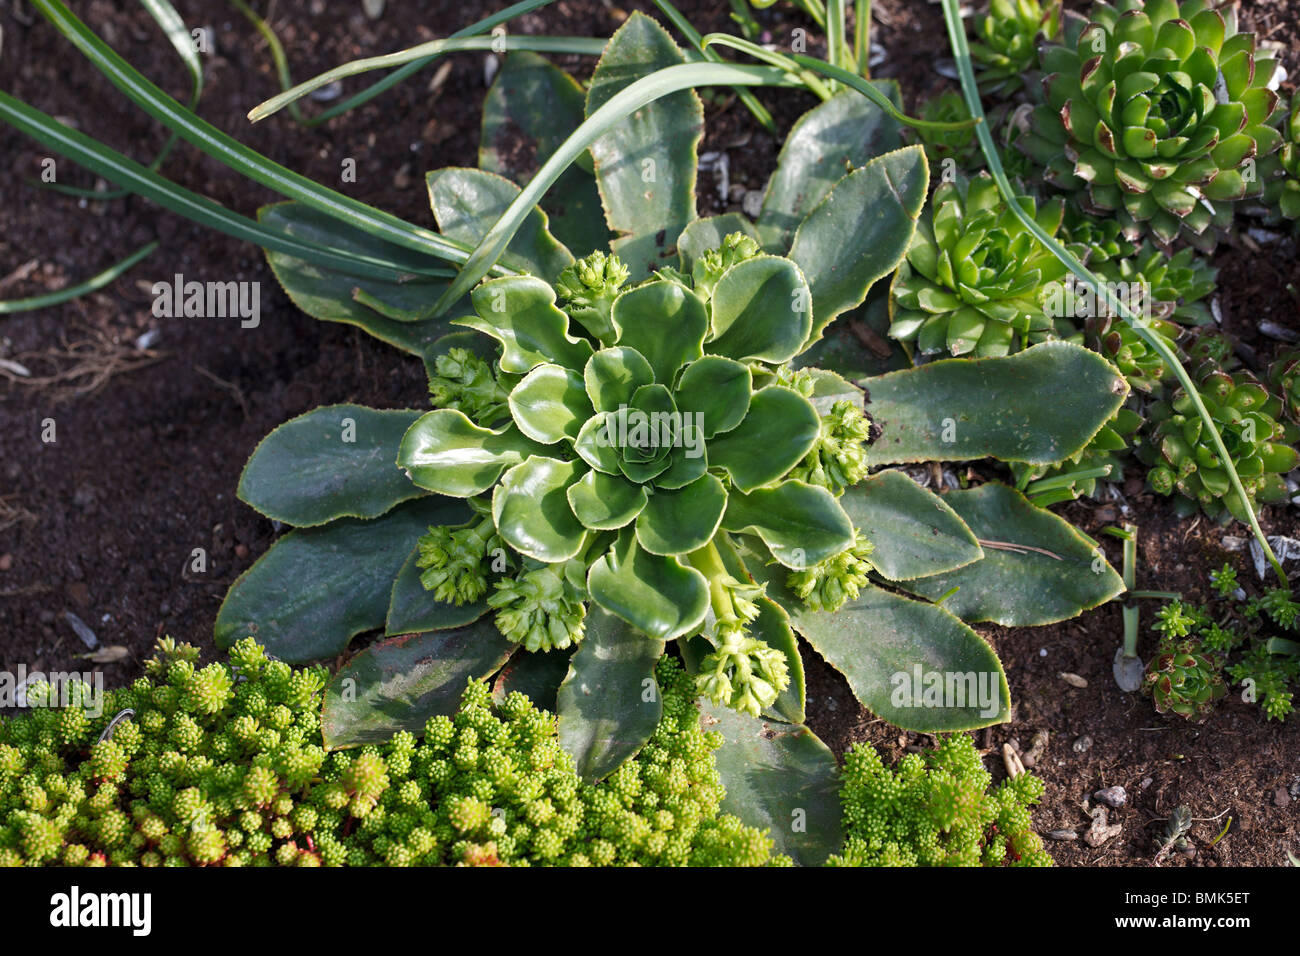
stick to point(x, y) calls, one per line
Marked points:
point(764, 55)
point(174, 28)
point(277, 53)
point(696, 41)
point(236, 155)
point(862, 36)
point(961, 52)
point(397, 76)
point(16, 306)
point(580, 45)
point(110, 164)
point(616, 110)
point(835, 48)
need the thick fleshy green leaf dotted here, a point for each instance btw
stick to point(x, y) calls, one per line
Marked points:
point(842, 133)
point(860, 232)
point(333, 462)
point(608, 705)
point(605, 502)
point(913, 531)
point(532, 512)
point(446, 452)
point(1041, 406)
point(520, 313)
point(1022, 587)
point(895, 652)
point(413, 609)
point(681, 521)
point(400, 682)
point(657, 595)
point(802, 524)
point(316, 589)
point(645, 166)
point(779, 429)
point(704, 235)
point(537, 105)
point(762, 311)
point(333, 296)
point(665, 323)
point(718, 389)
point(780, 778)
point(466, 202)
point(550, 404)
point(612, 377)
point(535, 674)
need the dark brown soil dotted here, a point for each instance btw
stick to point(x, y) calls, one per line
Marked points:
point(102, 523)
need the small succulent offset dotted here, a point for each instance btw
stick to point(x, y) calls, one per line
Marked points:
point(1185, 460)
point(618, 463)
point(975, 278)
point(1184, 677)
point(1280, 172)
point(1284, 376)
point(935, 810)
point(1006, 41)
point(1157, 112)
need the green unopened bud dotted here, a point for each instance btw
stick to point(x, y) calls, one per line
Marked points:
point(540, 609)
point(839, 458)
point(744, 673)
point(589, 288)
point(456, 561)
point(828, 585)
point(736, 247)
point(466, 383)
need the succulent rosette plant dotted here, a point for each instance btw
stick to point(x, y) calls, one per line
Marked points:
point(1185, 461)
point(1157, 112)
point(1005, 44)
point(975, 278)
point(1280, 172)
point(632, 445)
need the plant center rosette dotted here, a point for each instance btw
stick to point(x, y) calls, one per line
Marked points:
point(621, 459)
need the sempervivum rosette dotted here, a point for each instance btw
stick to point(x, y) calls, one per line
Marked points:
point(1156, 112)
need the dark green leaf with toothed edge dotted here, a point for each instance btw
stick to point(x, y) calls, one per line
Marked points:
point(779, 777)
point(317, 588)
point(400, 682)
point(609, 704)
point(914, 532)
point(332, 462)
point(333, 296)
point(860, 232)
point(912, 663)
point(538, 105)
point(412, 608)
point(1041, 406)
point(1036, 568)
point(466, 202)
point(645, 166)
point(833, 137)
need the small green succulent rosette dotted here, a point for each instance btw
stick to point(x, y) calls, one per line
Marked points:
point(1005, 44)
point(1280, 172)
point(975, 280)
point(1185, 460)
point(1157, 112)
point(1183, 680)
point(619, 458)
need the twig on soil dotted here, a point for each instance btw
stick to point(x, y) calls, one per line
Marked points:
point(230, 387)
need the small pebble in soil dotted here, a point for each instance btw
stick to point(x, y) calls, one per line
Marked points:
point(1061, 836)
point(1036, 748)
point(1074, 680)
point(1281, 798)
point(6, 561)
point(1111, 796)
point(1146, 782)
point(1042, 652)
point(752, 204)
point(1099, 832)
point(1082, 745)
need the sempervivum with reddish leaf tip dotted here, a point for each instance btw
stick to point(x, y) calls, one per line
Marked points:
point(1157, 112)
